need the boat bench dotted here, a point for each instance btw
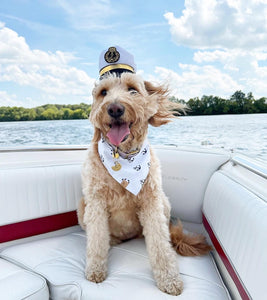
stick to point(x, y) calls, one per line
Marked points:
point(43, 249)
point(18, 283)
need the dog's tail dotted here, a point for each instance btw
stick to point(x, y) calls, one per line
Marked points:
point(188, 244)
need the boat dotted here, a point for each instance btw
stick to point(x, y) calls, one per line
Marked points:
point(42, 250)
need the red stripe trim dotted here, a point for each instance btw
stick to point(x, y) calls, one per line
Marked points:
point(32, 227)
point(239, 285)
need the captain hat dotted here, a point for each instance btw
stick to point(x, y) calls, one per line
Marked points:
point(116, 59)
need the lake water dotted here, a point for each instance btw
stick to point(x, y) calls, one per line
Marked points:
point(245, 134)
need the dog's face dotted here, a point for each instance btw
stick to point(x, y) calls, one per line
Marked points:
point(124, 106)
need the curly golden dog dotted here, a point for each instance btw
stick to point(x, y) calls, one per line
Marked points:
point(122, 109)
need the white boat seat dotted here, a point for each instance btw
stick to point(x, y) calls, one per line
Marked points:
point(235, 216)
point(17, 283)
point(61, 260)
point(44, 198)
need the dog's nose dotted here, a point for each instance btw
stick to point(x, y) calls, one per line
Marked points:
point(115, 110)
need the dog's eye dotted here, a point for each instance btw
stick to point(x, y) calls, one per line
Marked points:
point(132, 90)
point(103, 92)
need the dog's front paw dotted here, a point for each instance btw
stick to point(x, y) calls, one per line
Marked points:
point(96, 275)
point(169, 284)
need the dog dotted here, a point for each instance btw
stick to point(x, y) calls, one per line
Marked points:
point(122, 109)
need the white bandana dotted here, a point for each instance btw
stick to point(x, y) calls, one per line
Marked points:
point(130, 172)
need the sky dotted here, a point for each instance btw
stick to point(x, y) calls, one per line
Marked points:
point(49, 49)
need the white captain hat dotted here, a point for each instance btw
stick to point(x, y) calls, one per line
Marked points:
point(116, 59)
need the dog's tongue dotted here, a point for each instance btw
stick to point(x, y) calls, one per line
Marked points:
point(117, 133)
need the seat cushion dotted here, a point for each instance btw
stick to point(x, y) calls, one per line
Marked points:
point(61, 260)
point(236, 219)
point(185, 176)
point(17, 283)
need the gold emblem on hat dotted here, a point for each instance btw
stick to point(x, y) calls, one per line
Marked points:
point(112, 55)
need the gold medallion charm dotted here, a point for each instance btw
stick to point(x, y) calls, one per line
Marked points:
point(116, 155)
point(112, 55)
point(117, 166)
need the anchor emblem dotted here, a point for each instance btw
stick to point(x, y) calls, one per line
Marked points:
point(112, 55)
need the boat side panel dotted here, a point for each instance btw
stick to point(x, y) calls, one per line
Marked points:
point(236, 215)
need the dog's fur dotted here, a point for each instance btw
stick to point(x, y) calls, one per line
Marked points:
point(108, 212)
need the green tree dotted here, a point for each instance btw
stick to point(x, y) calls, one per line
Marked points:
point(49, 114)
point(196, 106)
point(67, 114)
point(260, 105)
point(32, 114)
point(238, 100)
point(79, 114)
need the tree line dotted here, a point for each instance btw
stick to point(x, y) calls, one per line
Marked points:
point(238, 103)
point(45, 112)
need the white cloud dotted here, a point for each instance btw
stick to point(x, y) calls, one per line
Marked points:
point(195, 81)
point(226, 55)
point(240, 64)
point(235, 60)
point(7, 99)
point(230, 40)
point(221, 24)
point(50, 73)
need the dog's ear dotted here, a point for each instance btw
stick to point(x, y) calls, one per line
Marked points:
point(97, 135)
point(159, 95)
